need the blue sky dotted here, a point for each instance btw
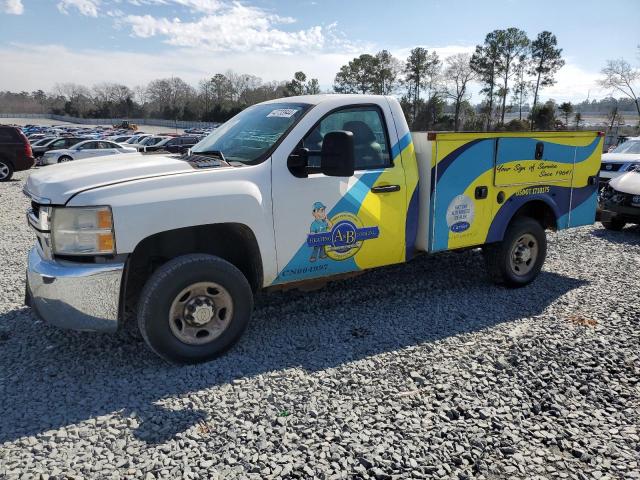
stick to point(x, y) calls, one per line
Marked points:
point(43, 42)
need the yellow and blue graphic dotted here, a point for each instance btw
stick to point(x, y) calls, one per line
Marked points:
point(559, 179)
point(360, 229)
point(339, 238)
point(479, 181)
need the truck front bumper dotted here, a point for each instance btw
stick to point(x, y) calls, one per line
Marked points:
point(77, 296)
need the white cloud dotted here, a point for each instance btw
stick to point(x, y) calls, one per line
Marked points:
point(89, 67)
point(203, 6)
point(234, 27)
point(88, 8)
point(575, 84)
point(12, 7)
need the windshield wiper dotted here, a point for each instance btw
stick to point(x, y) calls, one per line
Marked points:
point(212, 153)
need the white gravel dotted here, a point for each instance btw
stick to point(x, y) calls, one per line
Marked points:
point(418, 371)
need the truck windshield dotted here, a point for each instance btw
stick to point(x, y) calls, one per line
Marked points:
point(253, 132)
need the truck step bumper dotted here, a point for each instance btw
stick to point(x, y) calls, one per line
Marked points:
point(74, 295)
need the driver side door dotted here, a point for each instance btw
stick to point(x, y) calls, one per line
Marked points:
point(332, 225)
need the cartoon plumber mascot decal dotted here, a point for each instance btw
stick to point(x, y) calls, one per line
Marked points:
point(320, 224)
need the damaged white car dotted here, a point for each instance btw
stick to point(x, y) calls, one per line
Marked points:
point(619, 202)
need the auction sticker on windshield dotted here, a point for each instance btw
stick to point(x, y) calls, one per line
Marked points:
point(283, 112)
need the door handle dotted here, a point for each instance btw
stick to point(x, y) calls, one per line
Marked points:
point(481, 192)
point(385, 188)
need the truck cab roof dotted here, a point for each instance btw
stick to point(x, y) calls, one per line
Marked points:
point(317, 99)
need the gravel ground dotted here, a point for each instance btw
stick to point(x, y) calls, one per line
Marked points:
point(418, 371)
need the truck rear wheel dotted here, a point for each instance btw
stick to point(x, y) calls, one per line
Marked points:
point(518, 259)
point(194, 307)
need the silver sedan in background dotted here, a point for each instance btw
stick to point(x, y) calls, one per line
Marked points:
point(86, 149)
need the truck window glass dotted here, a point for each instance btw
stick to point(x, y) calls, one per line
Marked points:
point(253, 133)
point(369, 136)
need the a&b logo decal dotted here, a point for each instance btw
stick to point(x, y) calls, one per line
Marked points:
point(337, 238)
point(460, 214)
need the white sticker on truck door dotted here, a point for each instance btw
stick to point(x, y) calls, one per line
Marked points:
point(460, 214)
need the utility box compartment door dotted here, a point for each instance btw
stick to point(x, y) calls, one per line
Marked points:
point(530, 161)
point(462, 192)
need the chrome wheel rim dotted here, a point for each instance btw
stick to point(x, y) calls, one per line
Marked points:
point(4, 171)
point(64, 159)
point(524, 254)
point(200, 313)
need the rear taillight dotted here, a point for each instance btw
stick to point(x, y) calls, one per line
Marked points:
point(27, 146)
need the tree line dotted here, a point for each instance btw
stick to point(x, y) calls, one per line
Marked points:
point(435, 93)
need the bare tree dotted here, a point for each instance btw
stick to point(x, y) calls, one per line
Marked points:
point(457, 75)
point(620, 76)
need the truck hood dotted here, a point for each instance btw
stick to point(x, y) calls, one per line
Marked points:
point(57, 183)
point(627, 183)
point(620, 157)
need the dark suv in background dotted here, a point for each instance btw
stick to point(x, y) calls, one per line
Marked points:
point(15, 152)
point(181, 144)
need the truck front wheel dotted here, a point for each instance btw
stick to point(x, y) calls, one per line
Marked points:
point(518, 259)
point(194, 307)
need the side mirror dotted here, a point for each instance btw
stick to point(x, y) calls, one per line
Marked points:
point(337, 158)
point(298, 161)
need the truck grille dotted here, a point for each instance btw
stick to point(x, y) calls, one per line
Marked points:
point(622, 199)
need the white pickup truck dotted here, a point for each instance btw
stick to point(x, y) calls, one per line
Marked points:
point(288, 193)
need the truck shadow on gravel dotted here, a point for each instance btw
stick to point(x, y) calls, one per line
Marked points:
point(629, 235)
point(52, 378)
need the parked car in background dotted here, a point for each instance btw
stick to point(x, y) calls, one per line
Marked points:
point(156, 146)
point(55, 144)
point(149, 141)
point(37, 136)
point(119, 138)
point(15, 152)
point(621, 159)
point(619, 201)
point(181, 144)
point(41, 141)
point(136, 139)
point(86, 149)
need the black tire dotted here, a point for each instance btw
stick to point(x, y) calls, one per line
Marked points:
point(64, 158)
point(163, 287)
point(614, 223)
point(498, 255)
point(6, 170)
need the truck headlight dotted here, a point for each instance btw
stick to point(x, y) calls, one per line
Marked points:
point(82, 231)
